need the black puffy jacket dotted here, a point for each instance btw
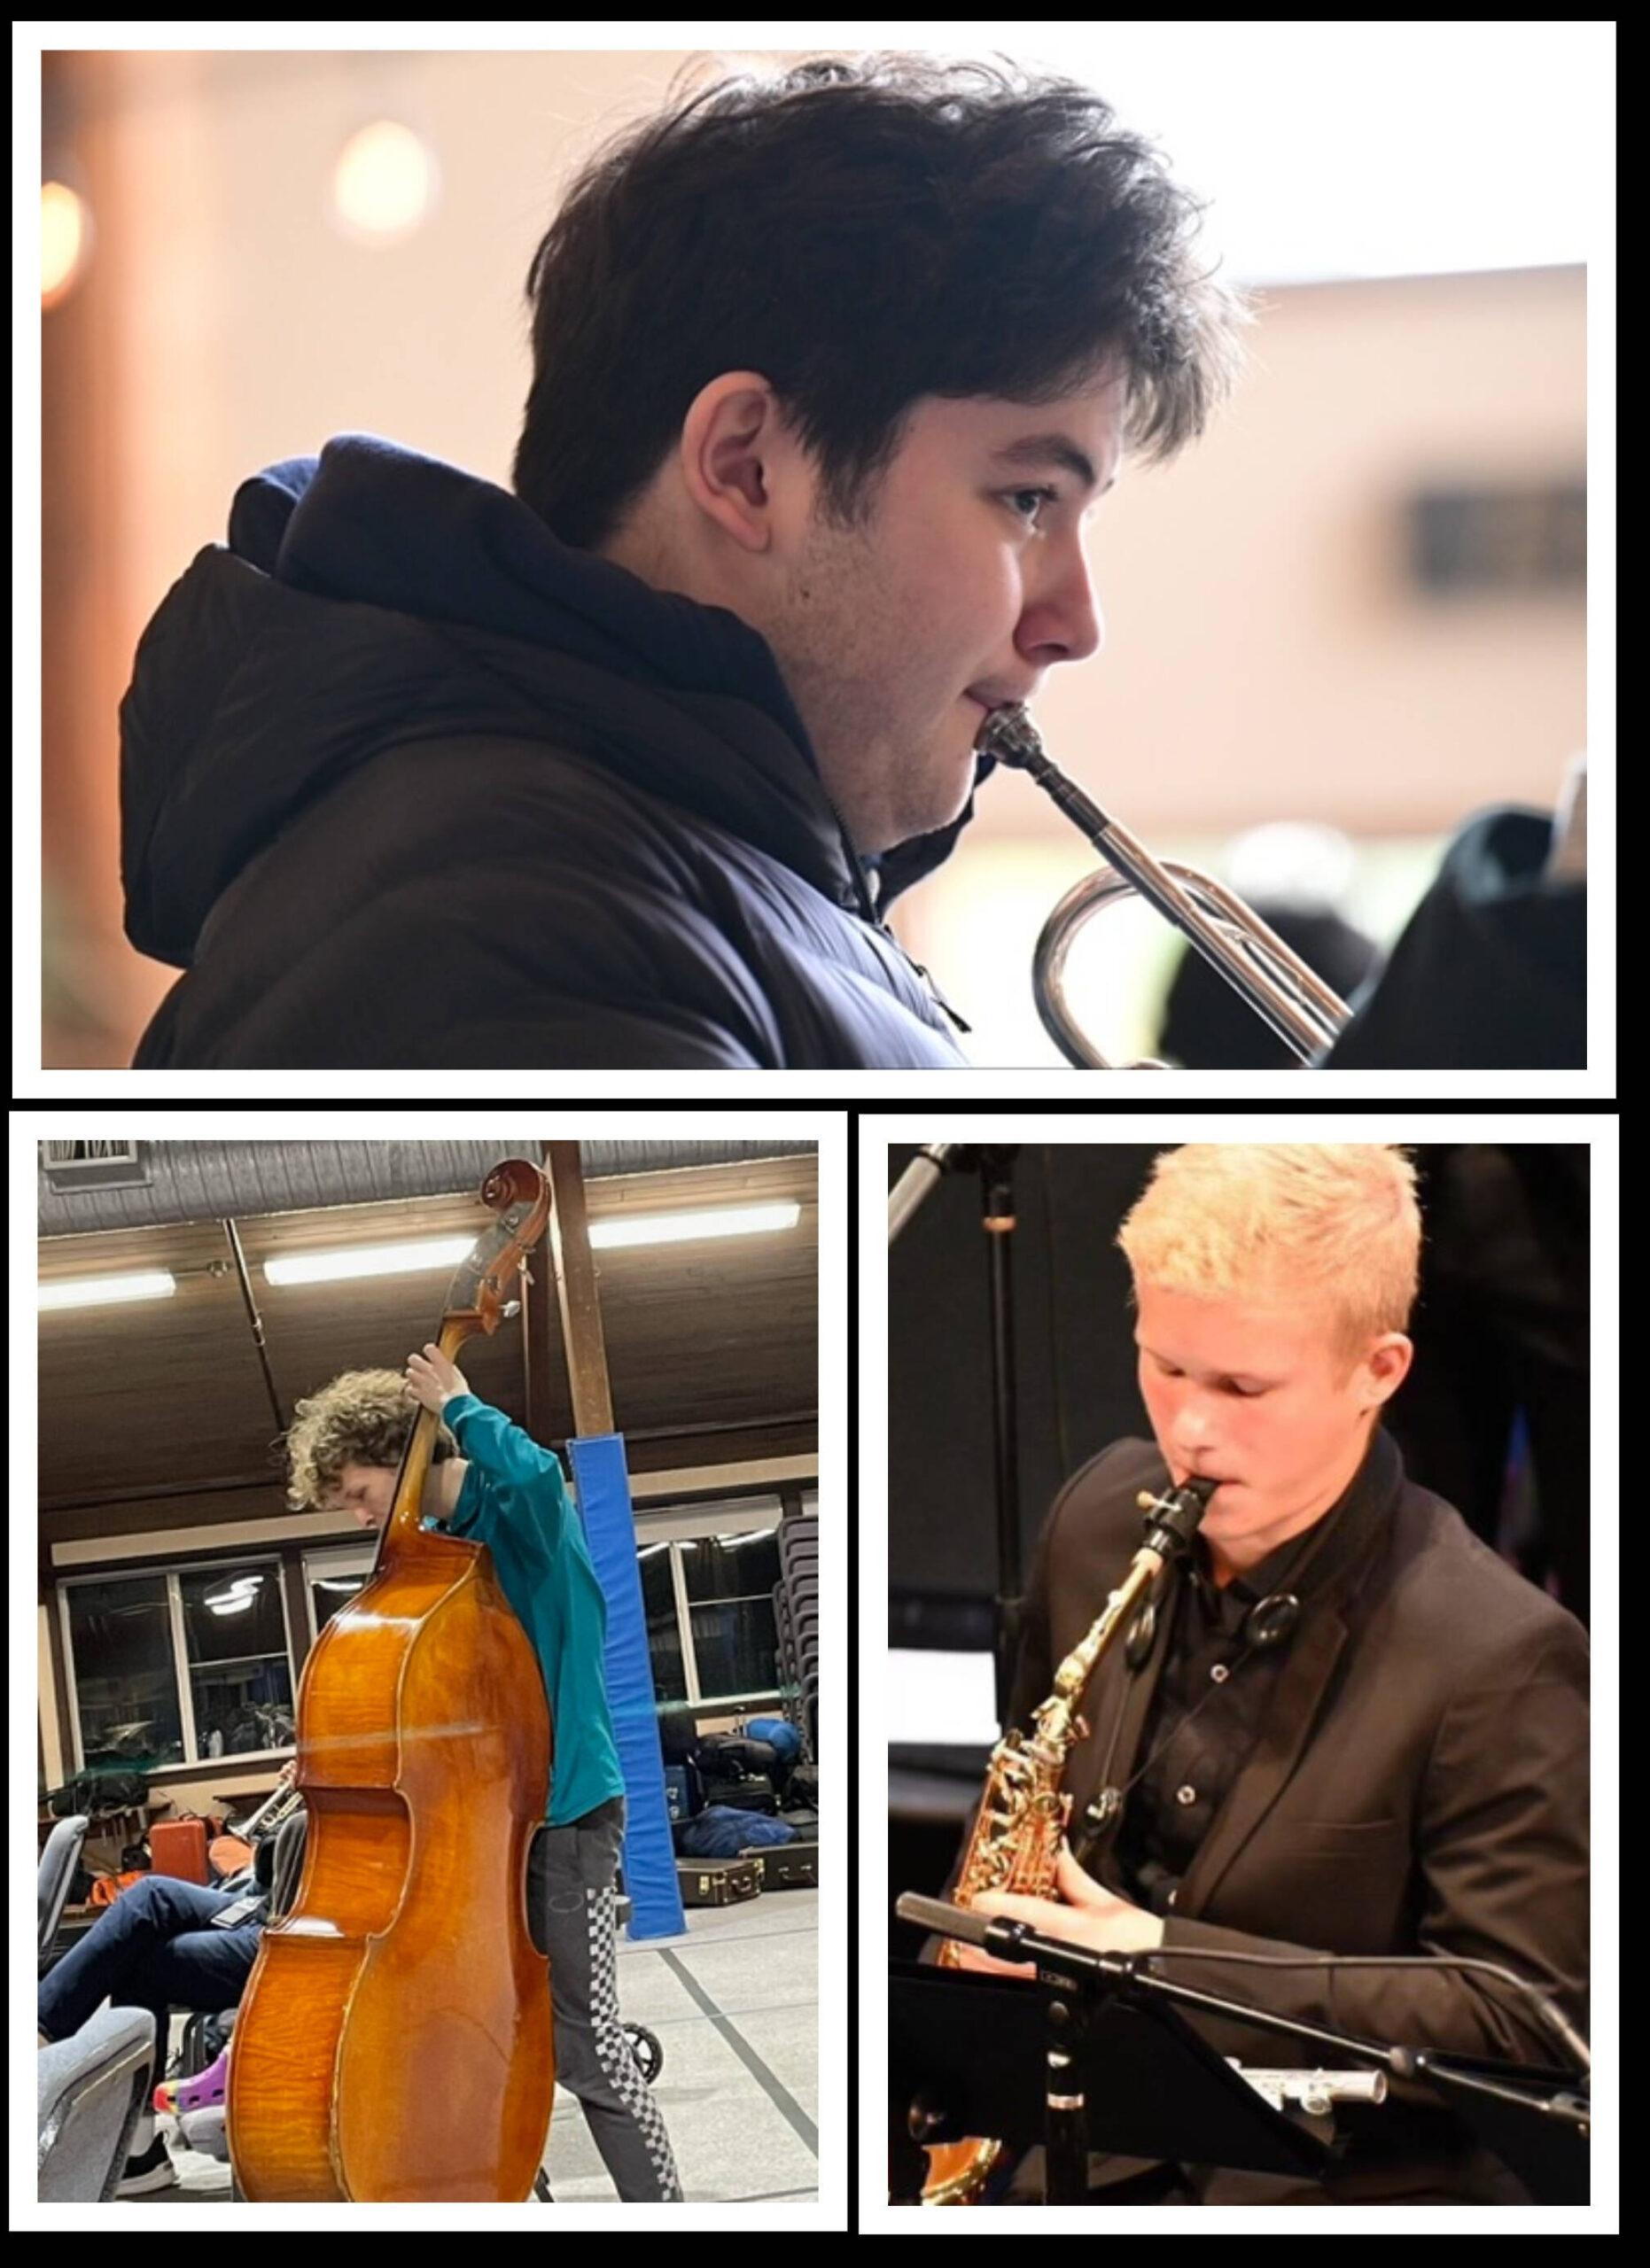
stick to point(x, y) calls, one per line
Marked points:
point(406, 781)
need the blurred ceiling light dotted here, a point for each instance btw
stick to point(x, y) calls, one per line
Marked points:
point(681, 1228)
point(368, 1260)
point(64, 240)
point(103, 1290)
point(447, 1251)
point(384, 184)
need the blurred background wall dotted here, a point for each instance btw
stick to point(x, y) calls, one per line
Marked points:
point(229, 316)
point(1358, 601)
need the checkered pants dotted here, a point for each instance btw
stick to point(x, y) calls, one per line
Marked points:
point(570, 1874)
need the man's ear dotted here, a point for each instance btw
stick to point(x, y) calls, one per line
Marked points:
point(728, 439)
point(1387, 1366)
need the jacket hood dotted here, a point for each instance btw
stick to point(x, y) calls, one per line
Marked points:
point(373, 596)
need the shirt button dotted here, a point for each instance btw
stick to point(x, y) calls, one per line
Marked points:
point(1220, 1673)
point(1186, 1795)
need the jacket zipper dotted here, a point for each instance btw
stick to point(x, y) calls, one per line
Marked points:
point(869, 913)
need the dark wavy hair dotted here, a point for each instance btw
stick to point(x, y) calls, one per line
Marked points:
point(862, 233)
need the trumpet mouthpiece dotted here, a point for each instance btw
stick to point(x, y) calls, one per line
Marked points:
point(1010, 736)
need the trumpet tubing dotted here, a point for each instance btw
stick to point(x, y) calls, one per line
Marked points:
point(272, 1812)
point(1304, 1010)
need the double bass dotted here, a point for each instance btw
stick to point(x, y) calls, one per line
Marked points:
point(394, 2038)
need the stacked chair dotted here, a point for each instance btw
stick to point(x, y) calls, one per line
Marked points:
point(797, 1612)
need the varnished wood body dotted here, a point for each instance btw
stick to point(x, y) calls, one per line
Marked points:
point(394, 2038)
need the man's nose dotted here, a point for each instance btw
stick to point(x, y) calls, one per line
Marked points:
point(1067, 627)
point(1192, 1425)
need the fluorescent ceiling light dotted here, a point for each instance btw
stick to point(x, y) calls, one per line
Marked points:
point(682, 1228)
point(103, 1290)
point(368, 1260)
point(447, 1251)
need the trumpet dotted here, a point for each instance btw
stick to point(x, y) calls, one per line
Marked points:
point(1295, 1002)
point(233, 1851)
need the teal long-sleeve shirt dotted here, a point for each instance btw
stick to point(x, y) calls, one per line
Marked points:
point(514, 1499)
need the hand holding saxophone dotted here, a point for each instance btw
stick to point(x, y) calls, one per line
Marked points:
point(1084, 1913)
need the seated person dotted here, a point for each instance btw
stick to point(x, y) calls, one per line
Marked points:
point(1348, 1727)
point(156, 1948)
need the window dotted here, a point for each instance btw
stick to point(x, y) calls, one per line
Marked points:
point(178, 1665)
point(658, 1599)
point(729, 1581)
point(708, 1572)
point(121, 1663)
point(332, 1578)
point(235, 1643)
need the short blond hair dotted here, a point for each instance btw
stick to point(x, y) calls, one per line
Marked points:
point(359, 1417)
point(1333, 1223)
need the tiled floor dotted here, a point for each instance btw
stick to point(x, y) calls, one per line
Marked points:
point(735, 2006)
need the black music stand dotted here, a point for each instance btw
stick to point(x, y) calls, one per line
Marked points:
point(1535, 2122)
point(1153, 2088)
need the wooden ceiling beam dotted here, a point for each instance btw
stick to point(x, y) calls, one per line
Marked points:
point(576, 1291)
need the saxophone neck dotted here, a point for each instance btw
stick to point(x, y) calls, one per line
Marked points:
point(1074, 1672)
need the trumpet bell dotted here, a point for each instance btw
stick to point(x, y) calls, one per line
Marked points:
point(1304, 1010)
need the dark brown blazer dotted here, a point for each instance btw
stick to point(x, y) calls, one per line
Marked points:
point(1419, 1785)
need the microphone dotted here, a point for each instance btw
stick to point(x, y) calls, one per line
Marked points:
point(917, 1180)
point(938, 1914)
point(1006, 1940)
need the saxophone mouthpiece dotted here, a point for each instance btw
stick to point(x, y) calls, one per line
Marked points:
point(1172, 1516)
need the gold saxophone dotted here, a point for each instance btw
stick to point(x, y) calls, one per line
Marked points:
point(1024, 1812)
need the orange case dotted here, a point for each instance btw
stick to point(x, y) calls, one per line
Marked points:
point(178, 1846)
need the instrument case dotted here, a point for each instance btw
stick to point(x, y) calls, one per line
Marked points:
point(178, 1846)
point(789, 1866)
point(720, 1881)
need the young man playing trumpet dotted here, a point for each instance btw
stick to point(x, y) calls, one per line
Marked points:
point(1349, 1728)
point(645, 750)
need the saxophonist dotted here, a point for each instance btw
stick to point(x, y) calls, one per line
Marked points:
point(1346, 1726)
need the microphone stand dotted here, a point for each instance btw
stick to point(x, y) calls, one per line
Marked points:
point(995, 1162)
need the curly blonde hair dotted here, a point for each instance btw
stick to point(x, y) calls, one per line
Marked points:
point(1334, 1223)
point(360, 1417)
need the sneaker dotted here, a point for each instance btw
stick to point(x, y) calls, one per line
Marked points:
point(153, 2169)
point(205, 2091)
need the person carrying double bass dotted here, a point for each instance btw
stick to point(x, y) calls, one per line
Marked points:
point(490, 1483)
